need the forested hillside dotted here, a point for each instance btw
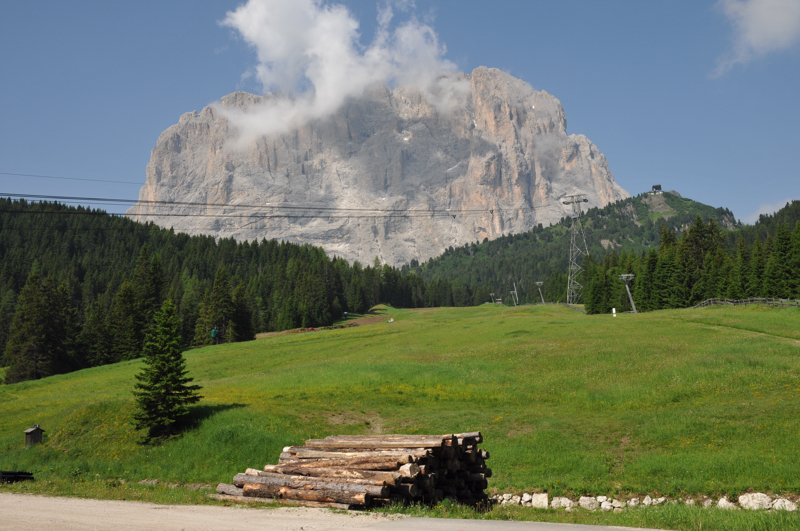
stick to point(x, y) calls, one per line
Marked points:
point(478, 269)
point(79, 287)
point(702, 262)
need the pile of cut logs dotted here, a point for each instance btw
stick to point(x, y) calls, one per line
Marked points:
point(360, 471)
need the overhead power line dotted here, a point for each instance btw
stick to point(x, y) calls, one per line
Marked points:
point(68, 178)
point(344, 212)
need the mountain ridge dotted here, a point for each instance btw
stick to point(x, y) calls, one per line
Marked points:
point(497, 164)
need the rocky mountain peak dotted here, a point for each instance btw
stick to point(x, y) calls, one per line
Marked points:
point(394, 173)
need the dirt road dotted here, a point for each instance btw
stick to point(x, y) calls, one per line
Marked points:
point(21, 511)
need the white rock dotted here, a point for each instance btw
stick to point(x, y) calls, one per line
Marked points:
point(369, 160)
point(708, 502)
point(723, 503)
point(689, 501)
point(616, 504)
point(755, 501)
point(515, 500)
point(606, 506)
point(648, 501)
point(526, 504)
point(617, 509)
point(633, 502)
point(539, 500)
point(659, 501)
point(560, 501)
point(588, 502)
point(782, 504)
point(526, 497)
point(601, 499)
point(507, 496)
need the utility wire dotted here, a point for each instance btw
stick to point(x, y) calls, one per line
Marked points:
point(67, 178)
point(279, 206)
point(260, 216)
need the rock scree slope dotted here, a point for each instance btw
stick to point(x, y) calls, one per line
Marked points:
point(499, 161)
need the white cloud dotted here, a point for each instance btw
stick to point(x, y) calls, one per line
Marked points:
point(310, 58)
point(760, 27)
point(766, 208)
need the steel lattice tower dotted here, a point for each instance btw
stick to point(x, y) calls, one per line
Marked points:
point(576, 252)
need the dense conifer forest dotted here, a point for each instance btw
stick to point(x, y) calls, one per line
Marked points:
point(680, 251)
point(79, 287)
point(478, 269)
point(702, 262)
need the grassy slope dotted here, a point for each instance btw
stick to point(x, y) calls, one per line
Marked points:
point(682, 402)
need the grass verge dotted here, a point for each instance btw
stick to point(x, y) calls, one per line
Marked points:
point(683, 402)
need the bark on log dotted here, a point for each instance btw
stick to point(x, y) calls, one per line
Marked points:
point(257, 490)
point(325, 496)
point(350, 480)
point(240, 499)
point(370, 463)
point(309, 484)
point(389, 478)
point(356, 453)
point(230, 490)
point(476, 435)
point(377, 442)
point(290, 503)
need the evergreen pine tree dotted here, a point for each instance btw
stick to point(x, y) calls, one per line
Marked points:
point(740, 273)
point(204, 324)
point(42, 333)
point(25, 352)
point(755, 284)
point(222, 306)
point(643, 291)
point(778, 269)
point(124, 326)
point(242, 315)
point(794, 262)
point(163, 392)
point(95, 337)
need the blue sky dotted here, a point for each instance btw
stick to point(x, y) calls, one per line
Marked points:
point(701, 97)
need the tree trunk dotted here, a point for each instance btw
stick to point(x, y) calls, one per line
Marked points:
point(340, 453)
point(370, 463)
point(309, 484)
point(230, 490)
point(389, 478)
point(336, 478)
point(325, 496)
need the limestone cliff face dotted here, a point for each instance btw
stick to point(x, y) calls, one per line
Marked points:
point(497, 164)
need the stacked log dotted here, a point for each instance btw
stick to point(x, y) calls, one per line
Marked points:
point(360, 471)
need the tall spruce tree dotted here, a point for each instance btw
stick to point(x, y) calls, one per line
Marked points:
point(777, 271)
point(740, 273)
point(794, 262)
point(124, 325)
point(221, 306)
point(42, 333)
point(164, 391)
point(204, 324)
point(755, 284)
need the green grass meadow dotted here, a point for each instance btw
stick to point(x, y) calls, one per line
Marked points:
point(678, 402)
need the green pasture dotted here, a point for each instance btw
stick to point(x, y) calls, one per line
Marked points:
point(679, 402)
